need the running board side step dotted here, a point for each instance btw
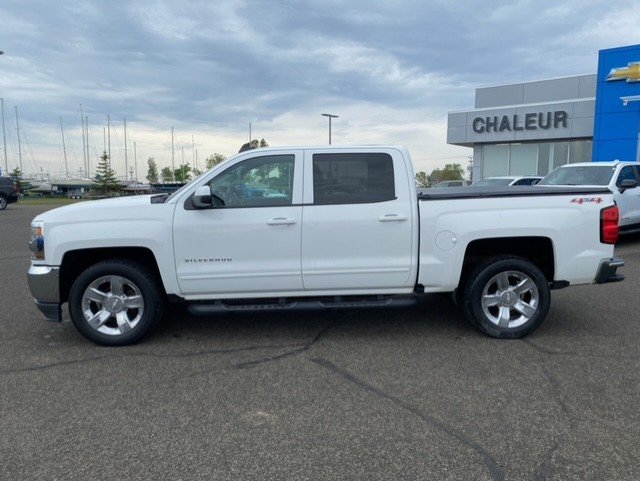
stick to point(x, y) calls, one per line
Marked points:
point(204, 308)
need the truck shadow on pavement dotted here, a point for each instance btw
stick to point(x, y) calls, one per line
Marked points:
point(433, 315)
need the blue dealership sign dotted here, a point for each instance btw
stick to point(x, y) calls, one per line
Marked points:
point(617, 122)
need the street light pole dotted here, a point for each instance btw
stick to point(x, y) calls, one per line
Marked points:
point(331, 116)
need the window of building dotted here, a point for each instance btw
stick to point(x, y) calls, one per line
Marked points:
point(523, 159)
point(352, 178)
point(533, 158)
point(580, 151)
point(495, 160)
point(559, 155)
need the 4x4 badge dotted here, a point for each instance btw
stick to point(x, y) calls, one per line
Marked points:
point(587, 200)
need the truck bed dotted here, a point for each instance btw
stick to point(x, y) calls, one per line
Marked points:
point(509, 191)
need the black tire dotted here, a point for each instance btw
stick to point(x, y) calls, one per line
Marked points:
point(3, 202)
point(136, 282)
point(519, 289)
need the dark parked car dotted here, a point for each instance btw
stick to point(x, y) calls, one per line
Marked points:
point(8, 192)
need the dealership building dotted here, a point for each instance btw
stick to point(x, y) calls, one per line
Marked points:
point(530, 128)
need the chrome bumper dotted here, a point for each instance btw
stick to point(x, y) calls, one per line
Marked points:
point(607, 271)
point(44, 284)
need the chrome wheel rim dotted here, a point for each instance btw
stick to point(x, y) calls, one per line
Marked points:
point(112, 305)
point(510, 299)
point(3, 203)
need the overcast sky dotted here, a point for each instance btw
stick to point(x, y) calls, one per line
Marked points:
point(390, 69)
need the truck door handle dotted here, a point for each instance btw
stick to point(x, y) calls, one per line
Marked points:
point(392, 218)
point(281, 221)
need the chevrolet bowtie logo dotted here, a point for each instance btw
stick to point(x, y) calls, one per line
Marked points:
point(630, 73)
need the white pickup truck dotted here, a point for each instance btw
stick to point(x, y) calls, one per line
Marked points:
point(326, 227)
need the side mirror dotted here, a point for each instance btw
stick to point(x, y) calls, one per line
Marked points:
point(628, 184)
point(204, 199)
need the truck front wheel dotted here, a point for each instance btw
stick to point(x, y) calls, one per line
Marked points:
point(506, 297)
point(116, 302)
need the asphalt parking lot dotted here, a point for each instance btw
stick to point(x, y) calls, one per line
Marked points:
point(377, 394)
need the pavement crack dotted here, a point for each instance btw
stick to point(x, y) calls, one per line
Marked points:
point(553, 352)
point(55, 364)
point(293, 352)
point(544, 471)
point(492, 466)
point(146, 354)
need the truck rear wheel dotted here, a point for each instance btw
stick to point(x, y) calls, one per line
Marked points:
point(506, 297)
point(116, 302)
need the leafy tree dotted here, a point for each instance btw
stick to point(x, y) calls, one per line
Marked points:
point(450, 172)
point(196, 172)
point(105, 176)
point(166, 174)
point(214, 159)
point(259, 144)
point(152, 173)
point(422, 179)
point(453, 172)
point(182, 173)
point(17, 176)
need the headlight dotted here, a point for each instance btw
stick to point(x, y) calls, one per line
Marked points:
point(36, 243)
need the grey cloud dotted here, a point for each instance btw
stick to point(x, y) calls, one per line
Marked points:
point(213, 64)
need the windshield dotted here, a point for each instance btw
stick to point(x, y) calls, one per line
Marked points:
point(580, 175)
point(490, 181)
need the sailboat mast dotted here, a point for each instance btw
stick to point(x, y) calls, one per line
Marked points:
point(173, 158)
point(135, 159)
point(193, 152)
point(4, 139)
point(64, 149)
point(84, 144)
point(109, 138)
point(126, 161)
point(19, 146)
point(86, 119)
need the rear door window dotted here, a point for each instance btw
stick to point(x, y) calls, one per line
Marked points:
point(357, 178)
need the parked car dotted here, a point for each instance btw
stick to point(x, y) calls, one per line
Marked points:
point(508, 180)
point(452, 183)
point(621, 178)
point(351, 233)
point(8, 192)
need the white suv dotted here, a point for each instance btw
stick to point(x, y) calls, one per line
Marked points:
point(621, 177)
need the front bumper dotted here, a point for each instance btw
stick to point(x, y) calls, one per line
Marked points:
point(607, 271)
point(44, 283)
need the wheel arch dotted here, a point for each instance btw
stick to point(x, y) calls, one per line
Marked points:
point(537, 250)
point(76, 261)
